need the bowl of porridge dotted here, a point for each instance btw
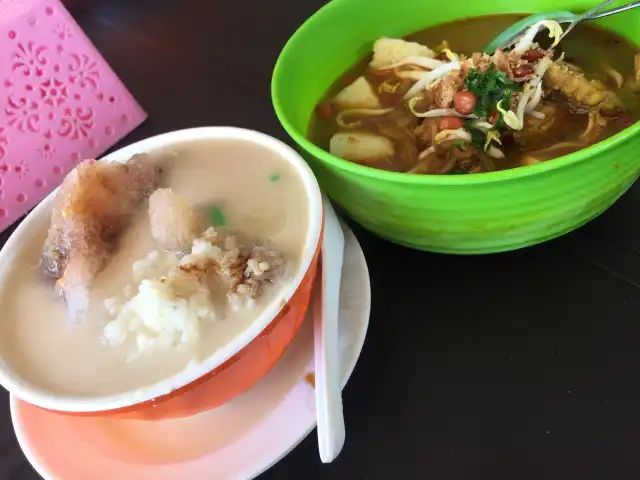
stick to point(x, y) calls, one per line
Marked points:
point(163, 280)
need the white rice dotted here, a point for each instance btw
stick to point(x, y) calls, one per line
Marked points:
point(173, 298)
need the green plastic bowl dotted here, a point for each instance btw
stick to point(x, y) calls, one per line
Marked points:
point(461, 214)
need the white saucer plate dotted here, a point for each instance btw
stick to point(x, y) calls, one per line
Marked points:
point(239, 440)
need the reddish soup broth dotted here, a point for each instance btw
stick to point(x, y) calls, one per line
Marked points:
point(588, 92)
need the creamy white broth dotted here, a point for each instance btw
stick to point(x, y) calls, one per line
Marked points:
point(259, 194)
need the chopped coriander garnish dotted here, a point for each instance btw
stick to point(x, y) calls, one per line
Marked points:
point(217, 217)
point(489, 88)
point(478, 137)
point(274, 177)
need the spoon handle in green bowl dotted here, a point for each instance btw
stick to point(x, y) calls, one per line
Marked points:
point(511, 32)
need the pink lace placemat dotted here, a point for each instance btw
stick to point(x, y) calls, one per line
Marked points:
point(60, 103)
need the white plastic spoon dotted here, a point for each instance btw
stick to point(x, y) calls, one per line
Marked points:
point(330, 418)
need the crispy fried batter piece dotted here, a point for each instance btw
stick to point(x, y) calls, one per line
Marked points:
point(94, 206)
point(174, 223)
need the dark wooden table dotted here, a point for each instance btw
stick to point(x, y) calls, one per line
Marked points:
point(517, 366)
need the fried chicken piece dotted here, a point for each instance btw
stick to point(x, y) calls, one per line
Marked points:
point(589, 94)
point(174, 223)
point(94, 206)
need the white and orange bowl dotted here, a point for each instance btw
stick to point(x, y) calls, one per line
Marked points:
point(239, 440)
point(232, 369)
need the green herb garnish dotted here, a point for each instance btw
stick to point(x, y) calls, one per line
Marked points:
point(478, 137)
point(274, 177)
point(489, 88)
point(217, 217)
